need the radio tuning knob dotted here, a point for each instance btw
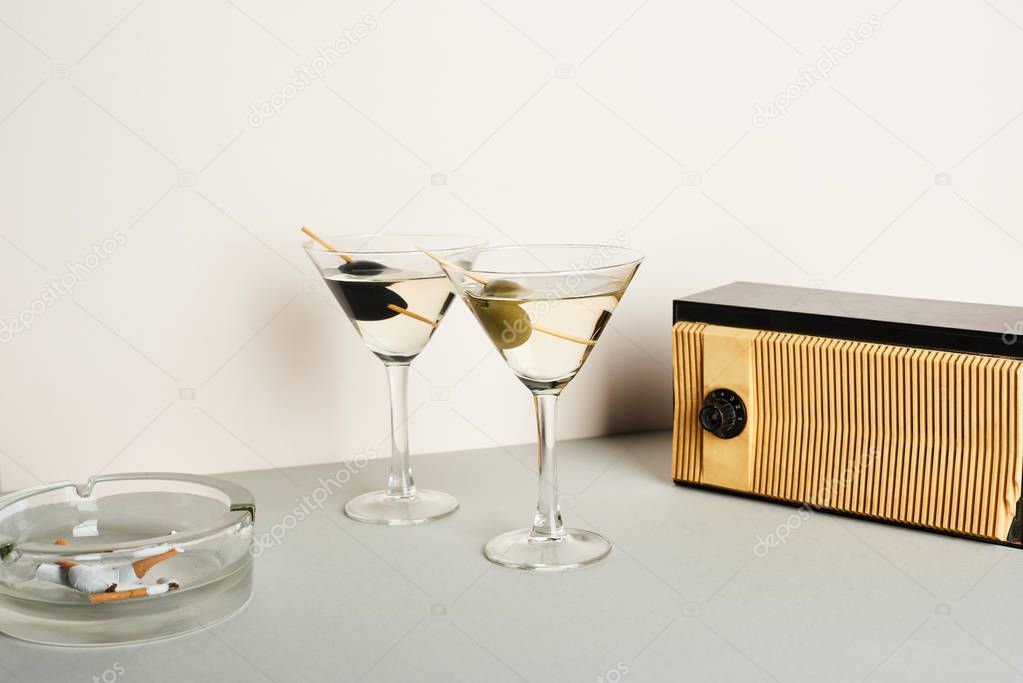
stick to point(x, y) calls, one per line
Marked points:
point(723, 414)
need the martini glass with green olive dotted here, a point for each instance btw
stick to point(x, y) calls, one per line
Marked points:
point(544, 307)
point(395, 296)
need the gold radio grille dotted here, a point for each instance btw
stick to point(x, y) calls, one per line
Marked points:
point(929, 438)
point(688, 361)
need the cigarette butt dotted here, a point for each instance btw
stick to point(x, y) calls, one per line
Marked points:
point(61, 541)
point(165, 586)
point(143, 566)
point(119, 595)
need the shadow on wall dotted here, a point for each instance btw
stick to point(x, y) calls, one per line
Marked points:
point(639, 390)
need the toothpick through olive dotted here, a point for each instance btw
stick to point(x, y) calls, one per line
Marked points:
point(503, 288)
point(365, 301)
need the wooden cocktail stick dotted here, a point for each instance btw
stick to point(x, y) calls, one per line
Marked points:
point(485, 282)
point(449, 264)
point(562, 335)
point(420, 318)
point(326, 245)
point(348, 259)
point(144, 565)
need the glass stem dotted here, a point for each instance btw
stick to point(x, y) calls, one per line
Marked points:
point(547, 521)
point(399, 478)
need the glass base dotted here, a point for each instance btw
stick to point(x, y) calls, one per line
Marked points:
point(519, 550)
point(377, 507)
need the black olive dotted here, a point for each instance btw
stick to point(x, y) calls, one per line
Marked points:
point(366, 300)
point(363, 268)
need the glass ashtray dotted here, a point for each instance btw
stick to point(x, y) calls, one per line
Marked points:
point(123, 558)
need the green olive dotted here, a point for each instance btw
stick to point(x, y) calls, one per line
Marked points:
point(505, 322)
point(504, 289)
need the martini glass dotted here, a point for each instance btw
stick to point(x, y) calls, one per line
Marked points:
point(544, 307)
point(395, 296)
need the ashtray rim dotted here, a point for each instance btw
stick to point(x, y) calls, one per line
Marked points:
point(241, 509)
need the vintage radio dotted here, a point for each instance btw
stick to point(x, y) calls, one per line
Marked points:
point(899, 410)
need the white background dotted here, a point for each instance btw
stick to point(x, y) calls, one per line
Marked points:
point(205, 343)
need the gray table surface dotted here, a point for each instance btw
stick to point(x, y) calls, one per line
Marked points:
point(683, 596)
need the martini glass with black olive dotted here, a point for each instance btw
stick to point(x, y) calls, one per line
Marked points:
point(544, 307)
point(395, 296)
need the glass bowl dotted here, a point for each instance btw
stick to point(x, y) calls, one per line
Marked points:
point(123, 558)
